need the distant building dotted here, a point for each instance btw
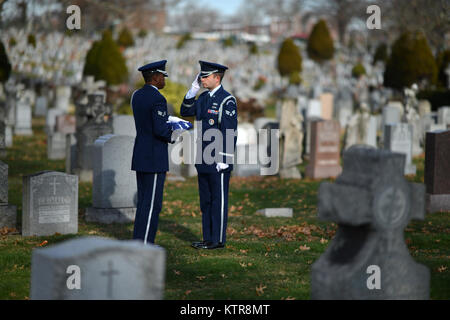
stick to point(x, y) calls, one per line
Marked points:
point(147, 17)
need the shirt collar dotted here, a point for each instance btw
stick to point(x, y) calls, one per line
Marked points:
point(155, 87)
point(211, 93)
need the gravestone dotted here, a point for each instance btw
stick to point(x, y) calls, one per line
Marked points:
point(372, 203)
point(123, 125)
point(399, 138)
point(424, 107)
point(62, 98)
point(65, 124)
point(437, 170)
point(314, 109)
point(114, 190)
point(93, 268)
point(93, 121)
point(41, 106)
point(23, 117)
point(361, 129)
point(444, 116)
point(56, 146)
point(344, 106)
point(49, 204)
point(50, 119)
point(291, 140)
point(324, 159)
point(8, 213)
point(326, 102)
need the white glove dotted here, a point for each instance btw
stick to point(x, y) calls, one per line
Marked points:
point(176, 135)
point(195, 87)
point(221, 166)
point(173, 119)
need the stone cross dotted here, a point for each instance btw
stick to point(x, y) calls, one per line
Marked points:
point(110, 273)
point(372, 203)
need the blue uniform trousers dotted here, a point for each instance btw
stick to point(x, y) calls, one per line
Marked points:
point(150, 188)
point(213, 191)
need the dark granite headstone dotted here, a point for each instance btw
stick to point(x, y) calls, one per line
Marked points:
point(372, 203)
point(8, 213)
point(324, 159)
point(437, 170)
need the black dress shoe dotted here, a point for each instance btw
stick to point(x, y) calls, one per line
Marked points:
point(196, 244)
point(211, 245)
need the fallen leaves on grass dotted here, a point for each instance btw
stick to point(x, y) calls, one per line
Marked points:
point(288, 233)
point(177, 272)
point(4, 231)
point(442, 269)
point(43, 243)
point(302, 248)
point(323, 241)
point(260, 290)
point(201, 277)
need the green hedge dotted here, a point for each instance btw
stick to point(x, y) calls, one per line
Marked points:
point(104, 61)
point(320, 44)
point(411, 61)
point(289, 60)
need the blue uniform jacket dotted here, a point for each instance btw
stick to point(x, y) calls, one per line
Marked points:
point(218, 112)
point(153, 133)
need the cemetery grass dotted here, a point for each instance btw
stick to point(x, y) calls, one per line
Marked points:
point(265, 258)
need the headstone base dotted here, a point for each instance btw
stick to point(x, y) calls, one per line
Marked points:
point(110, 215)
point(410, 169)
point(175, 178)
point(437, 202)
point(321, 172)
point(276, 212)
point(23, 132)
point(8, 216)
point(84, 175)
point(290, 173)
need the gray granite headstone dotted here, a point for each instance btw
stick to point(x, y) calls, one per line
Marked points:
point(56, 145)
point(372, 203)
point(444, 115)
point(123, 125)
point(93, 268)
point(114, 190)
point(399, 138)
point(23, 118)
point(50, 204)
point(8, 213)
point(93, 121)
point(40, 108)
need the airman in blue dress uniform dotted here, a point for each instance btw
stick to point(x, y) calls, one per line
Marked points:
point(150, 154)
point(214, 109)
